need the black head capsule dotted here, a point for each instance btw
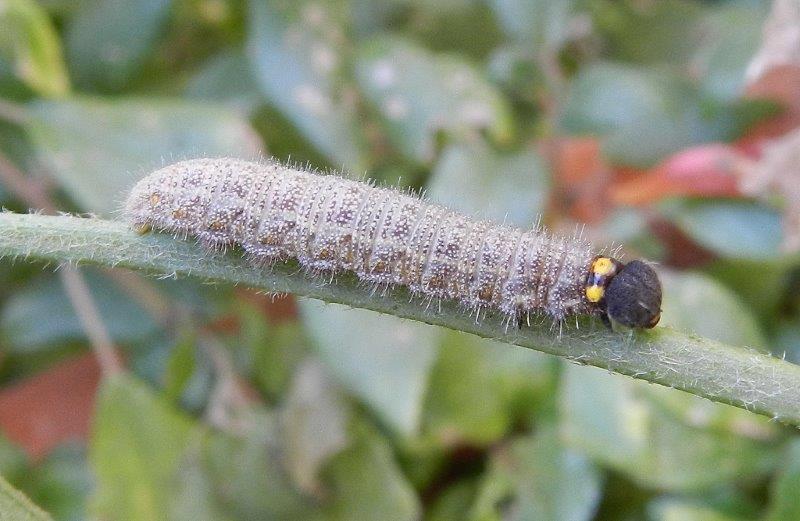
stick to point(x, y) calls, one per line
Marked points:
point(628, 294)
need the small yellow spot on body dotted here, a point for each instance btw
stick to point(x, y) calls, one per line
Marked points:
point(179, 213)
point(154, 199)
point(602, 266)
point(143, 228)
point(595, 293)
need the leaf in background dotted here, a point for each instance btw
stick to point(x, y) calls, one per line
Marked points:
point(501, 187)
point(24, 331)
point(96, 148)
point(137, 445)
point(314, 421)
point(537, 22)
point(226, 78)
point(419, 94)
point(672, 509)
point(702, 171)
point(249, 479)
point(14, 506)
point(27, 34)
point(647, 114)
point(62, 482)
point(39, 415)
point(297, 54)
point(735, 230)
point(193, 495)
point(731, 36)
point(784, 503)
point(273, 349)
point(368, 483)
point(383, 360)
point(14, 463)
point(665, 31)
point(107, 41)
point(479, 389)
point(180, 366)
point(786, 342)
point(698, 304)
point(613, 421)
point(454, 503)
point(546, 480)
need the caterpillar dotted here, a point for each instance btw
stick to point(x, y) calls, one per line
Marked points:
point(331, 224)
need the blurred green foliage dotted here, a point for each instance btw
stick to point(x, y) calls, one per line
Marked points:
point(232, 412)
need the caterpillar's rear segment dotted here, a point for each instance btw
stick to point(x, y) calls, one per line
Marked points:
point(330, 224)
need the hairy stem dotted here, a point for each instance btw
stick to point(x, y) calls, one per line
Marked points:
point(723, 373)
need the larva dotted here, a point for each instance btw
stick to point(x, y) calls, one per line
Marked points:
point(332, 224)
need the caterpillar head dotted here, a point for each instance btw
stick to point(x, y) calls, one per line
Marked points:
point(628, 294)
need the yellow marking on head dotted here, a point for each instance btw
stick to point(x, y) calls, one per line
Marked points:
point(595, 293)
point(603, 266)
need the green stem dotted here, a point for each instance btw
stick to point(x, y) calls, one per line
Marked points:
point(722, 373)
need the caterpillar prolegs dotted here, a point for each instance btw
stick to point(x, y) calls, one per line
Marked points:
point(331, 224)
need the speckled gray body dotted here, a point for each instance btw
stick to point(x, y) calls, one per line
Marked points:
point(332, 224)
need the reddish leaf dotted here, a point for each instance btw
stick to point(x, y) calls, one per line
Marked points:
point(54, 406)
point(704, 171)
point(780, 84)
point(581, 177)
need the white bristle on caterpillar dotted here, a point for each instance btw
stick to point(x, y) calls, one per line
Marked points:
point(332, 224)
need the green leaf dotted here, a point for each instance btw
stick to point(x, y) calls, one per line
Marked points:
point(763, 294)
point(368, 484)
point(27, 34)
point(314, 421)
point(226, 78)
point(14, 506)
point(248, 475)
point(536, 22)
point(670, 509)
point(500, 187)
point(735, 230)
point(454, 503)
point(381, 359)
point(136, 449)
point(698, 304)
point(667, 31)
point(419, 94)
point(108, 40)
point(180, 367)
point(732, 35)
point(62, 482)
point(784, 502)
point(98, 148)
point(545, 480)
point(24, 331)
point(616, 423)
point(646, 114)
point(273, 350)
point(297, 55)
point(479, 389)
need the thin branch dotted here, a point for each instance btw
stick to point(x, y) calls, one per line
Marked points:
point(733, 375)
point(78, 292)
point(92, 322)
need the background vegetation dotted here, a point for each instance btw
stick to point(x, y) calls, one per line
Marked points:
point(667, 126)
